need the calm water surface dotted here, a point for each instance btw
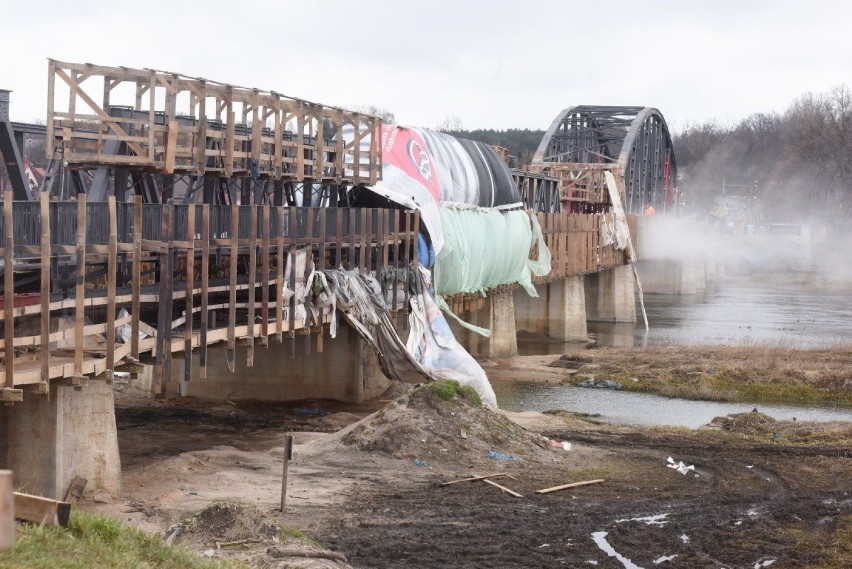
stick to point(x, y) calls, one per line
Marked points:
point(733, 312)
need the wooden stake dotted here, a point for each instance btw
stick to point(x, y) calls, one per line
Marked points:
point(7, 506)
point(572, 485)
point(503, 488)
point(288, 456)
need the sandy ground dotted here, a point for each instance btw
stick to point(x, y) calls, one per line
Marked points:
point(371, 491)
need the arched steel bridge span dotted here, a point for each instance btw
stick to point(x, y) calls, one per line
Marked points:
point(633, 141)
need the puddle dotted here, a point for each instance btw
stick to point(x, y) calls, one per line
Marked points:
point(600, 540)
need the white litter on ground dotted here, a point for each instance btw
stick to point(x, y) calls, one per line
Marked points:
point(600, 541)
point(664, 558)
point(765, 563)
point(657, 520)
point(684, 538)
point(679, 466)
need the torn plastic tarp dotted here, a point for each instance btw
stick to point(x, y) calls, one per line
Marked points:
point(431, 353)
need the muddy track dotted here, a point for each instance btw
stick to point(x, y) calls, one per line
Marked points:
point(734, 514)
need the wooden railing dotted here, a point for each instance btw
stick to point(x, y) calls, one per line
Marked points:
point(174, 266)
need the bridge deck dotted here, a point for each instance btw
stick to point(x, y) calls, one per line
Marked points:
point(191, 276)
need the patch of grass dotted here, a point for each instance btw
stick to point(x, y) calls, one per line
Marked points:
point(449, 390)
point(298, 535)
point(92, 541)
point(835, 543)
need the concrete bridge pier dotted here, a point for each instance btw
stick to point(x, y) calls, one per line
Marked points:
point(673, 276)
point(346, 370)
point(559, 312)
point(498, 315)
point(51, 438)
point(610, 295)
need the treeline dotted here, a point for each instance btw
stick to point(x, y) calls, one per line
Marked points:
point(800, 161)
point(521, 143)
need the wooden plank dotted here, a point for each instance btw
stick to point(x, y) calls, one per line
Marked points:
point(40, 510)
point(279, 277)
point(136, 277)
point(112, 269)
point(338, 236)
point(44, 207)
point(264, 277)
point(205, 279)
point(473, 478)
point(252, 282)
point(395, 228)
point(291, 261)
point(362, 241)
point(190, 294)
point(321, 269)
point(232, 278)
point(76, 489)
point(7, 509)
point(415, 246)
point(380, 243)
point(407, 261)
point(352, 225)
point(572, 485)
point(80, 288)
point(503, 488)
point(367, 232)
point(9, 289)
point(164, 323)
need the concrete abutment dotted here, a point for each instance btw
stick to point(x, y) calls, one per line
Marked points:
point(610, 295)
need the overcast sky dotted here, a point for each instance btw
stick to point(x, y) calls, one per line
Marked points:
point(497, 64)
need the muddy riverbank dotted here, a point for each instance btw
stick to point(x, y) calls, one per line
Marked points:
point(369, 488)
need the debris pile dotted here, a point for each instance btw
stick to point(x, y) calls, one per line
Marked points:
point(442, 422)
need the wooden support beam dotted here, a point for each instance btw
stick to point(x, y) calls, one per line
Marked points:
point(9, 289)
point(279, 276)
point(190, 294)
point(44, 208)
point(136, 277)
point(232, 277)
point(321, 269)
point(7, 510)
point(252, 282)
point(40, 510)
point(112, 269)
point(80, 288)
point(264, 277)
point(291, 261)
point(205, 278)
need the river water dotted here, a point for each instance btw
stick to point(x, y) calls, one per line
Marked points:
point(733, 312)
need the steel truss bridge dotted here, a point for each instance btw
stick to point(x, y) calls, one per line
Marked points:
point(633, 142)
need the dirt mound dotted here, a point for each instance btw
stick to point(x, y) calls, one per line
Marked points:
point(241, 531)
point(442, 422)
point(756, 425)
point(751, 423)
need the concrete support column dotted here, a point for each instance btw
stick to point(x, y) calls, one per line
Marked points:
point(675, 276)
point(498, 315)
point(559, 312)
point(346, 370)
point(566, 309)
point(613, 294)
point(48, 440)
